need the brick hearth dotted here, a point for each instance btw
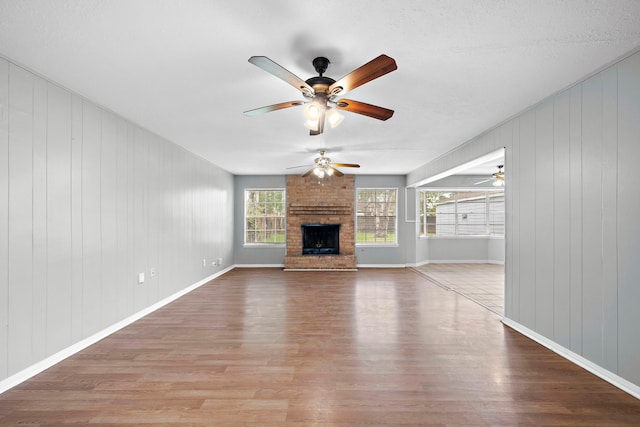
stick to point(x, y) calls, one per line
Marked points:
point(326, 201)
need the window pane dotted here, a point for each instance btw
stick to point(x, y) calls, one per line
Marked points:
point(496, 213)
point(472, 213)
point(462, 213)
point(376, 216)
point(265, 216)
point(443, 207)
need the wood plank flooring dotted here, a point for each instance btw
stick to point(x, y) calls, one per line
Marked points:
point(376, 347)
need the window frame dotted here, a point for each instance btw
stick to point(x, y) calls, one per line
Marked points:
point(284, 217)
point(488, 225)
point(395, 224)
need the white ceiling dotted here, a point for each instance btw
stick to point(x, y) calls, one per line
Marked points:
point(179, 68)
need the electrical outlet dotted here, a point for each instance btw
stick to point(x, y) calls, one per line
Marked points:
point(204, 262)
point(140, 278)
point(152, 272)
point(219, 261)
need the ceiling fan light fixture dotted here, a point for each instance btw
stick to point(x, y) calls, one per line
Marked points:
point(334, 117)
point(499, 177)
point(324, 167)
point(311, 124)
point(312, 111)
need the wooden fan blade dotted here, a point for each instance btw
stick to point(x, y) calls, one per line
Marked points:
point(357, 107)
point(269, 108)
point(282, 73)
point(373, 69)
point(296, 167)
point(345, 165)
point(336, 172)
point(307, 173)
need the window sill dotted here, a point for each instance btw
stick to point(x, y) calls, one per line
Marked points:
point(263, 245)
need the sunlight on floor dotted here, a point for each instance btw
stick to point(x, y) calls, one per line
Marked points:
point(481, 283)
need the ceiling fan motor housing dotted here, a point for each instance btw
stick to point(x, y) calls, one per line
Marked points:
point(321, 64)
point(321, 84)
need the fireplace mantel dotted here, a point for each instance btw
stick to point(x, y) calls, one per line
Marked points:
point(323, 209)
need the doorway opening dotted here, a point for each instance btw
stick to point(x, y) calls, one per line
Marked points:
point(462, 225)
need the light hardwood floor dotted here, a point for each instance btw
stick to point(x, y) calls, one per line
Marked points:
point(481, 283)
point(376, 347)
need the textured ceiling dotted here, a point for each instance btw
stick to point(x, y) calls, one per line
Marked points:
point(179, 68)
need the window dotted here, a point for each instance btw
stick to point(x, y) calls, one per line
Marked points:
point(376, 216)
point(264, 216)
point(496, 213)
point(464, 213)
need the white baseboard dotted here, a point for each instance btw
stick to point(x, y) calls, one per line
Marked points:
point(595, 369)
point(461, 261)
point(381, 265)
point(48, 362)
point(259, 265)
point(418, 264)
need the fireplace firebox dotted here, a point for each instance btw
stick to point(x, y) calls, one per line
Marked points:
point(320, 239)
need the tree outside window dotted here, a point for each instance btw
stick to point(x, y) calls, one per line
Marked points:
point(264, 216)
point(376, 221)
point(428, 203)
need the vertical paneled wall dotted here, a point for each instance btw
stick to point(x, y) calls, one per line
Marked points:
point(627, 254)
point(87, 202)
point(573, 237)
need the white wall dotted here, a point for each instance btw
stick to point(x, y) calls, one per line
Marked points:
point(572, 233)
point(88, 201)
point(495, 250)
point(470, 249)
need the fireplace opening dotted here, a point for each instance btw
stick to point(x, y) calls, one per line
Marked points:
point(320, 239)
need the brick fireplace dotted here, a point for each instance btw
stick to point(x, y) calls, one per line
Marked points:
point(326, 201)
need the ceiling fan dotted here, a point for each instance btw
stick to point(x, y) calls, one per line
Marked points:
point(321, 92)
point(497, 178)
point(322, 166)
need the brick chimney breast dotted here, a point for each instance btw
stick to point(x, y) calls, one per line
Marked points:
point(320, 201)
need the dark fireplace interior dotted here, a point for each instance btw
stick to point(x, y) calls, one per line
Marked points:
point(320, 239)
